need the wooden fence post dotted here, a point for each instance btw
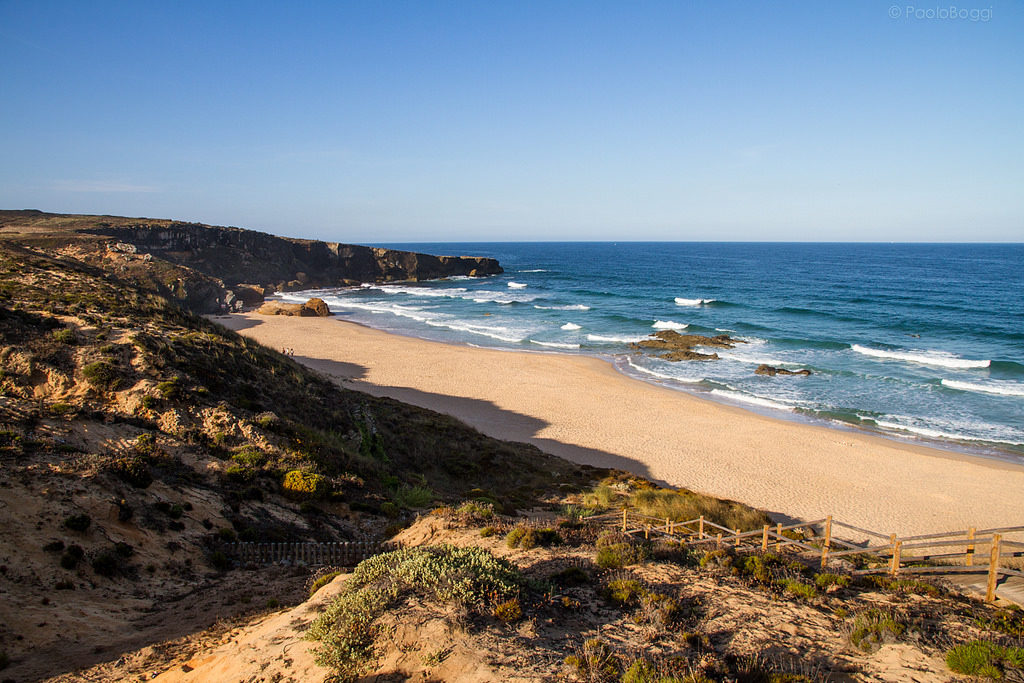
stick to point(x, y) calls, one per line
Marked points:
point(895, 568)
point(737, 538)
point(718, 540)
point(668, 526)
point(993, 569)
point(969, 556)
point(764, 539)
point(778, 539)
point(647, 531)
point(623, 520)
point(828, 541)
point(700, 528)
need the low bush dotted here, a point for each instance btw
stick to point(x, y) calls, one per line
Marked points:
point(468, 577)
point(624, 592)
point(78, 522)
point(615, 551)
point(826, 579)
point(323, 581)
point(133, 470)
point(528, 538)
point(799, 589)
point(301, 484)
point(65, 336)
point(413, 497)
point(102, 375)
point(984, 658)
point(487, 532)
point(595, 661)
point(571, 576)
point(508, 612)
point(873, 627)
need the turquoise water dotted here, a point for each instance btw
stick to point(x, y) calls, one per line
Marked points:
point(918, 341)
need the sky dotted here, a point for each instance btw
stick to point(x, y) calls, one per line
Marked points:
point(424, 120)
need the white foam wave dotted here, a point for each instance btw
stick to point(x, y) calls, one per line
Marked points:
point(998, 388)
point(661, 375)
point(570, 307)
point(533, 270)
point(753, 360)
point(516, 285)
point(939, 434)
point(669, 325)
point(477, 295)
point(613, 339)
point(570, 326)
point(753, 400)
point(393, 309)
point(939, 358)
point(449, 292)
point(500, 333)
point(680, 301)
point(555, 345)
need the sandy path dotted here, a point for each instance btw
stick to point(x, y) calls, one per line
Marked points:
point(584, 410)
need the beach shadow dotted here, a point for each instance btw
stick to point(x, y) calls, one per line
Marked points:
point(484, 416)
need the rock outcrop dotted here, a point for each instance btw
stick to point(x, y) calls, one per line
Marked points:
point(771, 372)
point(313, 307)
point(680, 346)
point(235, 256)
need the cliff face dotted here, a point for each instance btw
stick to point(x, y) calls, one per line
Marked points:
point(246, 256)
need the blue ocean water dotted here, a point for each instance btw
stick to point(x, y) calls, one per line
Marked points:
point(919, 341)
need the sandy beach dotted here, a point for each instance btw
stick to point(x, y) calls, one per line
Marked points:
point(583, 409)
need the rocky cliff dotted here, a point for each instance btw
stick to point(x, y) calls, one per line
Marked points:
point(236, 256)
point(209, 269)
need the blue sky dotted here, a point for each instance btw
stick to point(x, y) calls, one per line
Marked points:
point(381, 121)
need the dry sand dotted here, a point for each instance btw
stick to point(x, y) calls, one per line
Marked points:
point(584, 410)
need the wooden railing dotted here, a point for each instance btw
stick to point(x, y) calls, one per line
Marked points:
point(929, 553)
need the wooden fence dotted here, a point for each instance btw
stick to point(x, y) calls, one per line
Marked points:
point(305, 554)
point(942, 553)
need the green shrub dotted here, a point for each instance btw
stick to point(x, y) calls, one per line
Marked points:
point(601, 497)
point(78, 522)
point(54, 546)
point(826, 579)
point(413, 497)
point(102, 375)
point(250, 456)
point(219, 561)
point(716, 558)
point(171, 389)
point(106, 562)
point(615, 551)
point(624, 592)
point(322, 581)
point(473, 511)
point(508, 612)
point(487, 532)
point(799, 589)
point(513, 537)
point(683, 505)
point(65, 336)
point(874, 627)
point(571, 576)
point(469, 577)
point(302, 484)
point(71, 557)
point(595, 662)
point(226, 534)
point(984, 658)
point(149, 402)
point(132, 470)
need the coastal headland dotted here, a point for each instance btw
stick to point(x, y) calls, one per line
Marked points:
point(584, 410)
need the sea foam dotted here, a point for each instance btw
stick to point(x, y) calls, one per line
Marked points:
point(570, 326)
point(614, 339)
point(680, 301)
point(570, 307)
point(517, 285)
point(555, 345)
point(938, 358)
point(661, 375)
point(753, 400)
point(669, 325)
point(998, 388)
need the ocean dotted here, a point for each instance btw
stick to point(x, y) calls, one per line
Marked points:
point(915, 341)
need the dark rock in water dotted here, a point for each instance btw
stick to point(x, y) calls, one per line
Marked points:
point(688, 355)
point(680, 346)
point(313, 307)
point(771, 372)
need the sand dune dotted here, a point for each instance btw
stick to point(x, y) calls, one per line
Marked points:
point(583, 409)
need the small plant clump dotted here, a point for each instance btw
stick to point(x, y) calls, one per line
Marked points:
point(301, 484)
point(78, 523)
point(102, 375)
point(323, 581)
point(615, 551)
point(467, 577)
point(984, 658)
point(595, 661)
point(874, 627)
point(410, 497)
point(528, 538)
point(508, 612)
point(624, 592)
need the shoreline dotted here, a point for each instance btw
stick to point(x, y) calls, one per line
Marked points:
point(585, 409)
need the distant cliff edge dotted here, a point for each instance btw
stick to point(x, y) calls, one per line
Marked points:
point(238, 265)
